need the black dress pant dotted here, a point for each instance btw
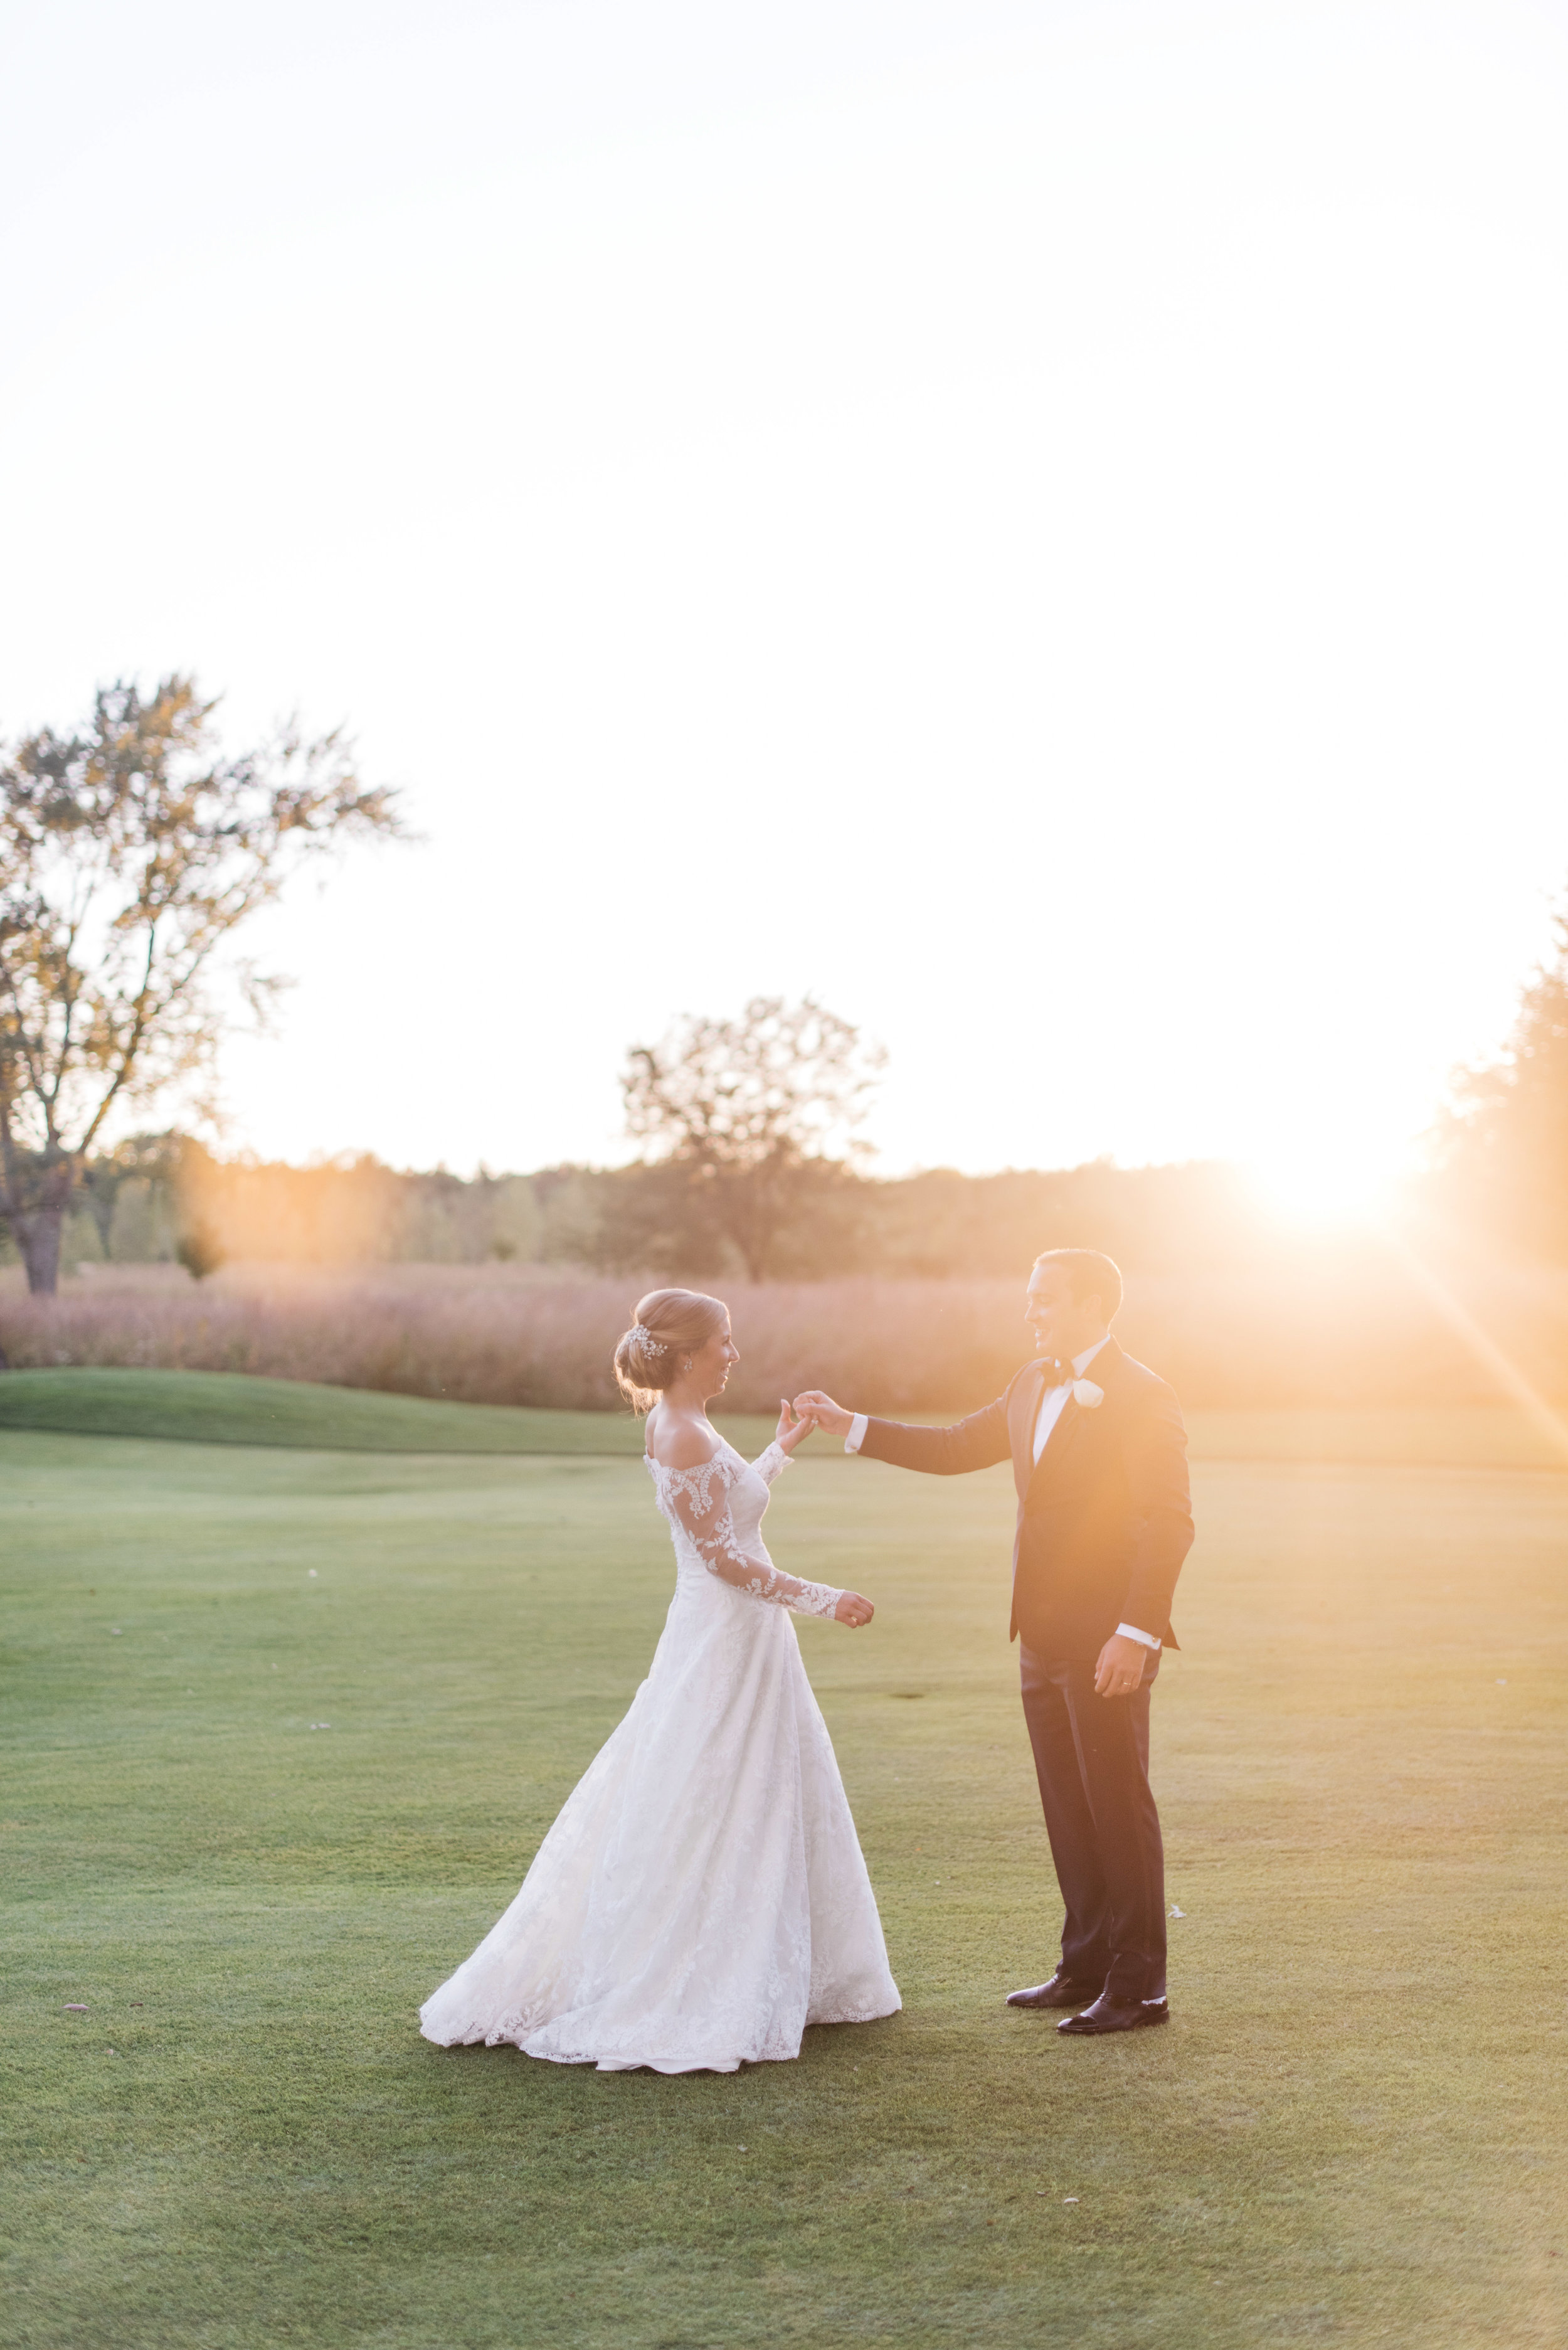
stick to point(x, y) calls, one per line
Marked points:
point(1091, 1757)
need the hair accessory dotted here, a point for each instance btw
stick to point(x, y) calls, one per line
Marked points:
point(646, 1341)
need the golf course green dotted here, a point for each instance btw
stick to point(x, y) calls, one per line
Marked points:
point(284, 1725)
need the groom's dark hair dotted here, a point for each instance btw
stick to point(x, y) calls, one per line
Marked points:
point(1089, 1275)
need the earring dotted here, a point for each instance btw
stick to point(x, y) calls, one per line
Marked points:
point(686, 1366)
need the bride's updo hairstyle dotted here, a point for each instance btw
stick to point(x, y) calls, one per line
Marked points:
point(668, 1325)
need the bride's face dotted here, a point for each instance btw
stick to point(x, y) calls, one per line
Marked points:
point(712, 1366)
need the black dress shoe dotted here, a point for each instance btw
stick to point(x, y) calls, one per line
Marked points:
point(1110, 2013)
point(1060, 1991)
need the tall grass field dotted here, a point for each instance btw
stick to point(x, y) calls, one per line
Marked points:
point(1333, 1326)
point(283, 1728)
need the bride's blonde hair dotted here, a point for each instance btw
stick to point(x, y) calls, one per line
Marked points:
point(668, 1325)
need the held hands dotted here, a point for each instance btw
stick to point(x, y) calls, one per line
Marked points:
point(791, 1430)
point(824, 1411)
point(798, 1419)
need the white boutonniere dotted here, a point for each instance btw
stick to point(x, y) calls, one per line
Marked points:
point(1087, 1396)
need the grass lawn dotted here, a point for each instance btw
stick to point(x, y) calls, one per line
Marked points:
point(228, 1408)
point(1353, 2132)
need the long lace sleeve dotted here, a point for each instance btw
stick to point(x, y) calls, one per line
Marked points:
point(769, 1464)
point(700, 1499)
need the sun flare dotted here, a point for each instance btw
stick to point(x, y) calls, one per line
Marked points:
point(1326, 1186)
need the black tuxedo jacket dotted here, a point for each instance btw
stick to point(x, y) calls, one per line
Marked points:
point(1105, 1519)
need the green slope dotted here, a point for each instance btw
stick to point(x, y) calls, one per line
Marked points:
point(226, 1408)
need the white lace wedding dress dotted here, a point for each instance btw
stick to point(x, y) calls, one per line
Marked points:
point(701, 1897)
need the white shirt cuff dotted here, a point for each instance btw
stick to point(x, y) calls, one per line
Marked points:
point(1131, 1632)
point(856, 1435)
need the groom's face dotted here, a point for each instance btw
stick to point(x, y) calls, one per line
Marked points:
point(1063, 1325)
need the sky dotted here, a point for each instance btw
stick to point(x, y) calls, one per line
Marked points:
point(1042, 524)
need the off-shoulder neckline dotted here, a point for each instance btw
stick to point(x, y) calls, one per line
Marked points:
point(723, 1445)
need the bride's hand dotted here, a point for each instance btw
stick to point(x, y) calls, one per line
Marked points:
point(790, 1430)
point(853, 1609)
point(824, 1411)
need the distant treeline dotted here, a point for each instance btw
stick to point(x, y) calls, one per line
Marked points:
point(164, 1198)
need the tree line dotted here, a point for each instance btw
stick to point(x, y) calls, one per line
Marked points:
point(778, 1208)
point(167, 1198)
point(133, 850)
point(1501, 1148)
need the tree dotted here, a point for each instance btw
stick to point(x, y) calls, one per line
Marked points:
point(149, 1158)
point(130, 853)
point(1503, 1147)
point(757, 1114)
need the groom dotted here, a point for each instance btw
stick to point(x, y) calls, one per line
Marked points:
point(1105, 1520)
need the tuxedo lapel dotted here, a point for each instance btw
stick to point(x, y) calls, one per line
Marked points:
point(1067, 1435)
point(1025, 1411)
point(1026, 1470)
point(1060, 1447)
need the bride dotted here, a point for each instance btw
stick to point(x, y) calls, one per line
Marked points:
point(701, 1897)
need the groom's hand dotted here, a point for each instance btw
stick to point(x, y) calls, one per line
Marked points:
point(792, 1427)
point(824, 1411)
point(1120, 1669)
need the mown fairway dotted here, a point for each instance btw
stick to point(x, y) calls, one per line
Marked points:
point(1353, 2131)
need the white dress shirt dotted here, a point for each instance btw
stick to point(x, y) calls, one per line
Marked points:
point(1053, 1404)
